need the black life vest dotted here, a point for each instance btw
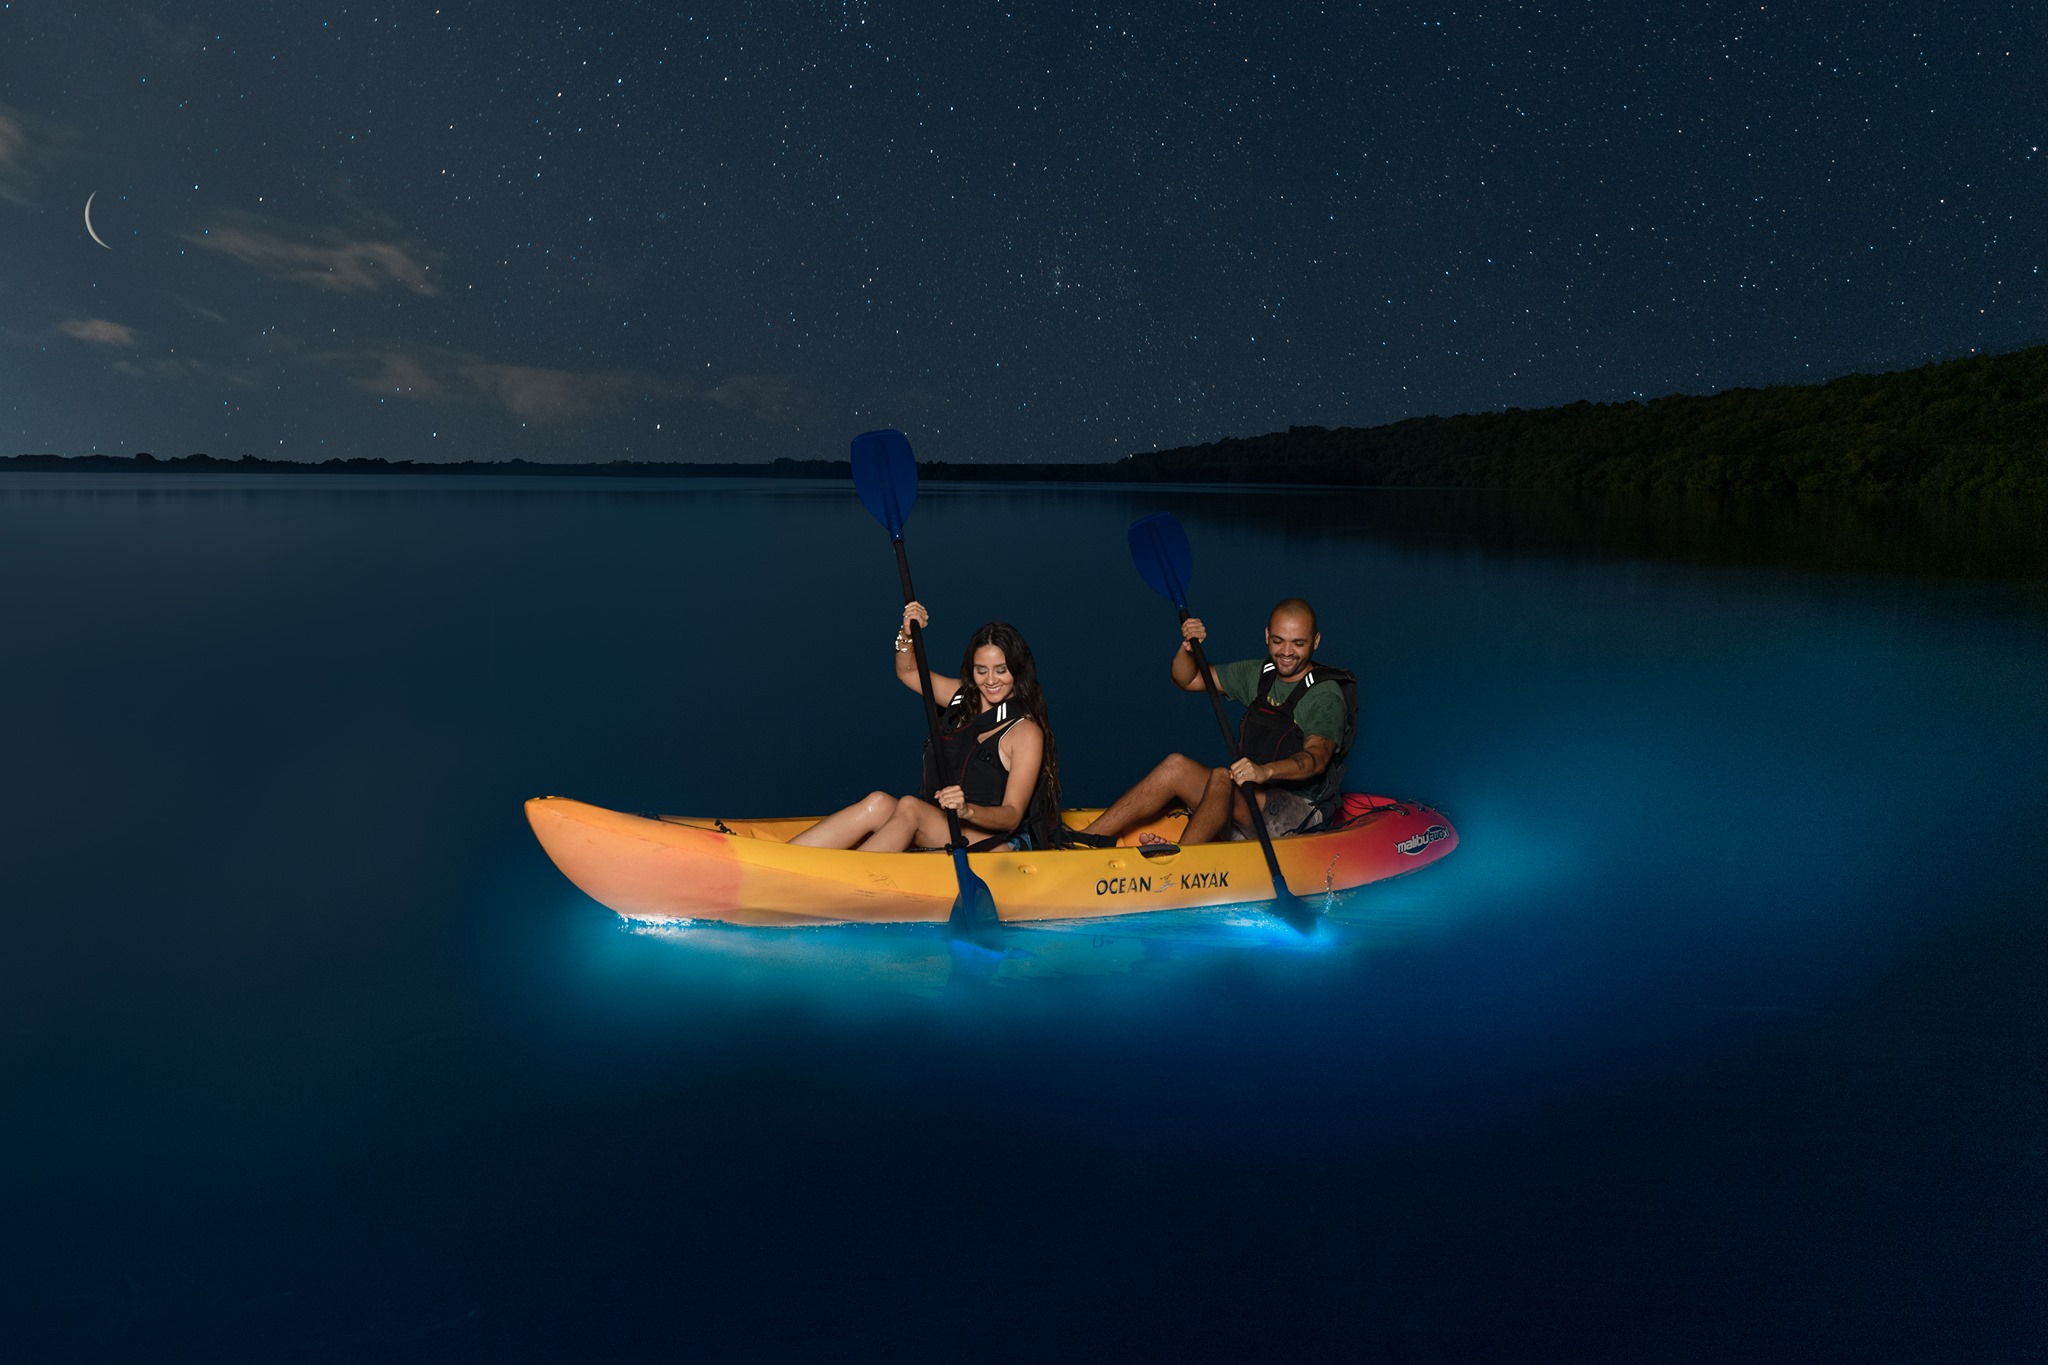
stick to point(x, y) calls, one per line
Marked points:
point(1268, 732)
point(970, 759)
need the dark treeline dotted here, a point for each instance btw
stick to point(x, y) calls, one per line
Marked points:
point(1975, 425)
point(203, 463)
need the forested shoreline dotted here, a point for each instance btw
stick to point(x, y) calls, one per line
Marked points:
point(1977, 425)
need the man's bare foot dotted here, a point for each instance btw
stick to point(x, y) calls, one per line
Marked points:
point(1148, 837)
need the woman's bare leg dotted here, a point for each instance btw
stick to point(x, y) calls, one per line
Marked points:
point(846, 828)
point(916, 821)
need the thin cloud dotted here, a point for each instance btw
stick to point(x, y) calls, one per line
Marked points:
point(775, 398)
point(20, 156)
point(98, 330)
point(29, 146)
point(197, 309)
point(404, 374)
point(333, 262)
point(176, 369)
point(164, 39)
point(534, 393)
point(13, 152)
point(539, 394)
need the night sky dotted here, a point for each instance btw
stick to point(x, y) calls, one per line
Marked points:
point(1019, 231)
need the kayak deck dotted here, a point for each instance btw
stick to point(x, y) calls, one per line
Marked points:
point(746, 872)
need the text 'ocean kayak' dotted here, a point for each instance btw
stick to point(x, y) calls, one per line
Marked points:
point(745, 872)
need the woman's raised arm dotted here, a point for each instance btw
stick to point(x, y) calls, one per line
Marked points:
point(943, 688)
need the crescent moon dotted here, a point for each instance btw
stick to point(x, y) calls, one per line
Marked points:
point(88, 220)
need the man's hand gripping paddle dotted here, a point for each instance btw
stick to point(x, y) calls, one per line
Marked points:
point(885, 476)
point(1159, 549)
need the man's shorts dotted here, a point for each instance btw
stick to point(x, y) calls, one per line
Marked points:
point(1288, 813)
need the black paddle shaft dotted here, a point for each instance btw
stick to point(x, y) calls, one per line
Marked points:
point(924, 680)
point(1251, 799)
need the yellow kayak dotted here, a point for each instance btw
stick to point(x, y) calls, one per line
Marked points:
point(671, 867)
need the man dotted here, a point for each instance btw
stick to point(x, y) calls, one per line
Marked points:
point(1297, 726)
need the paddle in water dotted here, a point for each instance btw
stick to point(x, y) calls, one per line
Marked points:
point(885, 476)
point(1159, 549)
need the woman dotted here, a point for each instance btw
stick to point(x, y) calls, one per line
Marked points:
point(995, 759)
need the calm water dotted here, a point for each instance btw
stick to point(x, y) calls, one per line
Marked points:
point(1721, 1037)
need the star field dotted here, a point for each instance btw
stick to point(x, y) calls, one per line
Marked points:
point(745, 230)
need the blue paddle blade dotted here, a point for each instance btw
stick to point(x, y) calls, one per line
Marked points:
point(1160, 550)
point(975, 907)
point(885, 476)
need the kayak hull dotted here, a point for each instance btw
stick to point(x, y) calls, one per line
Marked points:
point(745, 871)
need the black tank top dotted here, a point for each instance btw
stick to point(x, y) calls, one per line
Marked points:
point(973, 762)
point(969, 756)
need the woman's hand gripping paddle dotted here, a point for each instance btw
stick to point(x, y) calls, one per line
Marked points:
point(1159, 549)
point(885, 476)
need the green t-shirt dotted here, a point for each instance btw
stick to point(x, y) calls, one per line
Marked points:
point(1321, 712)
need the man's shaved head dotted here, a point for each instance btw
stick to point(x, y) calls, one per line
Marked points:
point(1294, 606)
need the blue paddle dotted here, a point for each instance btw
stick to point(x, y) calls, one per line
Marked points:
point(885, 476)
point(1159, 549)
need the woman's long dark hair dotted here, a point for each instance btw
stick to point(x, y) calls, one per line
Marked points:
point(1025, 691)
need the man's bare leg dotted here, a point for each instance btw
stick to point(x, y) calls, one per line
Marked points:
point(1220, 801)
point(1177, 778)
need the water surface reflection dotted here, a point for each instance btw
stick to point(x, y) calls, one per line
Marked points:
point(1716, 1038)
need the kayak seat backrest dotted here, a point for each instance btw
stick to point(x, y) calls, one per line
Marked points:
point(1358, 805)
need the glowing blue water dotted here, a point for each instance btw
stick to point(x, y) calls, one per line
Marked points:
point(1720, 1037)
